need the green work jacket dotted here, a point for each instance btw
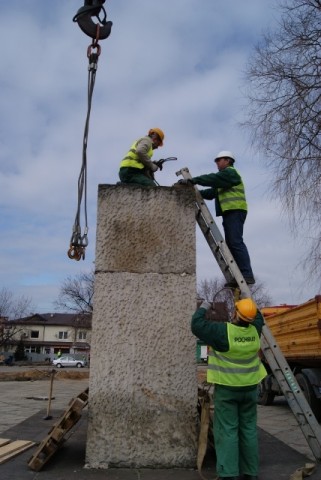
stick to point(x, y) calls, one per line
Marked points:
point(227, 189)
point(216, 335)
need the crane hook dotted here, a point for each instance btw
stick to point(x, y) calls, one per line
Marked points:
point(84, 16)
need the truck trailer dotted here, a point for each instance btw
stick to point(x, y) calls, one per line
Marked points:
point(297, 331)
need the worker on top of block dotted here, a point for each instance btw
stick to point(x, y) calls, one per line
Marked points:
point(234, 367)
point(227, 188)
point(137, 166)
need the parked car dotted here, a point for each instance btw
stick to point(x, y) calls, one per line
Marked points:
point(68, 361)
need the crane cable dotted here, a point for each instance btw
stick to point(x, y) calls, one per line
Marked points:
point(79, 241)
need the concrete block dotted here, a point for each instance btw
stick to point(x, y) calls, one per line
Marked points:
point(143, 378)
point(145, 229)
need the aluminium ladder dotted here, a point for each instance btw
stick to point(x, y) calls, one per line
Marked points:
point(274, 356)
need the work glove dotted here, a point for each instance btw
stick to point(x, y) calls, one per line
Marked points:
point(185, 181)
point(205, 305)
point(153, 167)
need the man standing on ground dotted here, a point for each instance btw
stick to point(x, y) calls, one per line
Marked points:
point(236, 370)
point(227, 187)
point(137, 167)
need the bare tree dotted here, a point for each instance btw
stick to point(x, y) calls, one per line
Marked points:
point(284, 92)
point(12, 307)
point(76, 294)
point(213, 291)
point(7, 331)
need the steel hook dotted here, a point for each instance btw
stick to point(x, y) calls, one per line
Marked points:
point(84, 19)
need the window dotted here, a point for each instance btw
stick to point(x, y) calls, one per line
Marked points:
point(82, 335)
point(32, 349)
point(62, 335)
point(34, 334)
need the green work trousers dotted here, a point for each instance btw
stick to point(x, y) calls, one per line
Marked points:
point(135, 175)
point(235, 432)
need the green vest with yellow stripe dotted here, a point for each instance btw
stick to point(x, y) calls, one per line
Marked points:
point(131, 159)
point(240, 366)
point(232, 198)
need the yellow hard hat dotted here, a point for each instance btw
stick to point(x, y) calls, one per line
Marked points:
point(159, 132)
point(246, 309)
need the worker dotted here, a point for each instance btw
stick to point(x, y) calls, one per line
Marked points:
point(234, 367)
point(137, 167)
point(227, 187)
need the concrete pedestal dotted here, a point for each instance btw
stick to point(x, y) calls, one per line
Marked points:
point(143, 379)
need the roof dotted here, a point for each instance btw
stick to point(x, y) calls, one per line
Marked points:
point(59, 319)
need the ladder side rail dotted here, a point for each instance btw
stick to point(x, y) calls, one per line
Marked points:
point(214, 246)
point(274, 356)
point(293, 394)
point(273, 353)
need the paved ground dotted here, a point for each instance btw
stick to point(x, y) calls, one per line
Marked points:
point(23, 408)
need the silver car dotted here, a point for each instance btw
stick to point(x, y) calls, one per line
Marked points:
point(68, 361)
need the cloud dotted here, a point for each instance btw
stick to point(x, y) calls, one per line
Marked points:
point(177, 65)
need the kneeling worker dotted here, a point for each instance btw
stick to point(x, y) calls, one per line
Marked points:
point(137, 167)
point(236, 370)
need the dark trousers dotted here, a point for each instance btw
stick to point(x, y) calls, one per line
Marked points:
point(233, 223)
point(135, 175)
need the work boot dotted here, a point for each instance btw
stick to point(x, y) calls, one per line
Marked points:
point(250, 281)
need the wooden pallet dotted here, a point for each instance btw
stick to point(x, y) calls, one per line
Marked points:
point(12, 448)
point(55, 437)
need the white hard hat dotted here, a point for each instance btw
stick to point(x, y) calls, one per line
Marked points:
point(225, 153)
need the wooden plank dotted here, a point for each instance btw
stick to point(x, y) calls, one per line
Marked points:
point(13, 449)
point(4, 441)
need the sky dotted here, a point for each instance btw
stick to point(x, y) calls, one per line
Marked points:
point(177, 65)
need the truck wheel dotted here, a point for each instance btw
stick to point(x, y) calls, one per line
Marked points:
point(265, 397)
point(309, 394)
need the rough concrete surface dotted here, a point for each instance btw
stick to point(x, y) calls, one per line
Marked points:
point(143, 382)
point(145, 229)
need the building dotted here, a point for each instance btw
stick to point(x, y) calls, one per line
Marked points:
point(45, 335)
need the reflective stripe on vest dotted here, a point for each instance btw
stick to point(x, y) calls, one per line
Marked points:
point(240, 366)
point(132, 159)
point(232, 198)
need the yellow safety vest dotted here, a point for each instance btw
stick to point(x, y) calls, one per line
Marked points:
point(240, 366)
point(232, 198)
point(132, 159)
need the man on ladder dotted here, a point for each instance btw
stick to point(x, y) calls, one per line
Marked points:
point(227, 188)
